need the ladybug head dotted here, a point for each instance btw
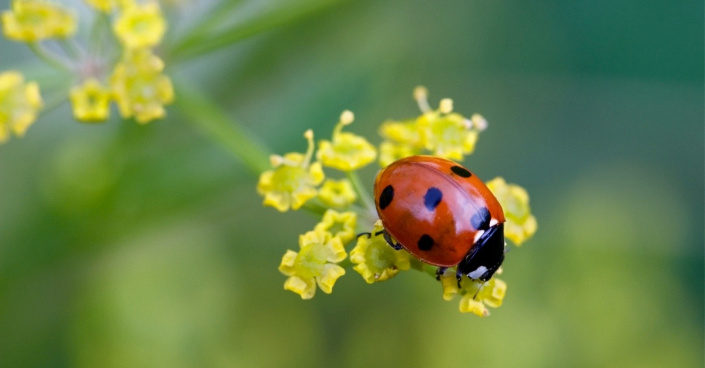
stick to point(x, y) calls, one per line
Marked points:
point(485, 257)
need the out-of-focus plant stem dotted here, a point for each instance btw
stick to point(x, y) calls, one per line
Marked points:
point(212, 121)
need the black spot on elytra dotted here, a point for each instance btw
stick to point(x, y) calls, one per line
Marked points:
point(432, 198)
point(386, 197)
point(425, 242)
point(461, 171)
point(481, 220)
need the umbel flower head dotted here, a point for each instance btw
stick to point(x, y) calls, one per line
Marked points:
point(521, 224)
point(345, 204)
point(293, 180)
point(374, 259)
point(346, 151)
point(36, 20)
point(19, 104)
point(314, 264)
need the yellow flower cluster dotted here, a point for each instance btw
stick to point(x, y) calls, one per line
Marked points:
point(476, 296)
point(294, 180)
point(297, 180)
point(136, 82)
point(374, 259)
point(440, 132)
point(320, 251)
point(521, 224)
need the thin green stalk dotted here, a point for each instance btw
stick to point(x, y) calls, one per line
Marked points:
point(362, 193)
point(214, 122)
point(199, 44)
point(49, 58)
point(71, 49)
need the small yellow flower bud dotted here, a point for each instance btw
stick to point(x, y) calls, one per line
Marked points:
point(421, 97)
point(347, 117)
point(478, 122)
point(446, 106)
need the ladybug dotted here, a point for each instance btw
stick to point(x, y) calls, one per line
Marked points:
point(442, 214)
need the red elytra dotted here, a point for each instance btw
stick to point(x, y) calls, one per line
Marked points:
point(441, 213)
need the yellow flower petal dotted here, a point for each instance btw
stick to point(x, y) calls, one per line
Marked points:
point(306, 288)
point(328, 277)
point(470, 305)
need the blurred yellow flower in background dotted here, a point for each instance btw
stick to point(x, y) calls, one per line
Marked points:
point(19, 104)
point(90, 101)
point(35, 20)
point(139, 87)
point(140, 26)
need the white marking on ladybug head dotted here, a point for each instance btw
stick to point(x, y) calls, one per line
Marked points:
point(478, 235)
point(477, 273)
point(493, 222)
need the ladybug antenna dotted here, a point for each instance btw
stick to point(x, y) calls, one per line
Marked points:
point(478, 290)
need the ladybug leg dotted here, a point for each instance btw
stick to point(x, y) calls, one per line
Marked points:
point(440, 271)
point(459, 275)
point(369, 235)
point(391, 241)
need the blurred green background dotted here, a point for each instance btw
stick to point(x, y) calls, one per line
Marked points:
point(147, 246)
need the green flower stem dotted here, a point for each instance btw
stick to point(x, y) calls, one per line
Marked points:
point(49, 58)
point(53, 101)
point(360, 190)
point(215, 123)
point(423, 267)
point(197, 43)
point(315, 206)
point(71, 49)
